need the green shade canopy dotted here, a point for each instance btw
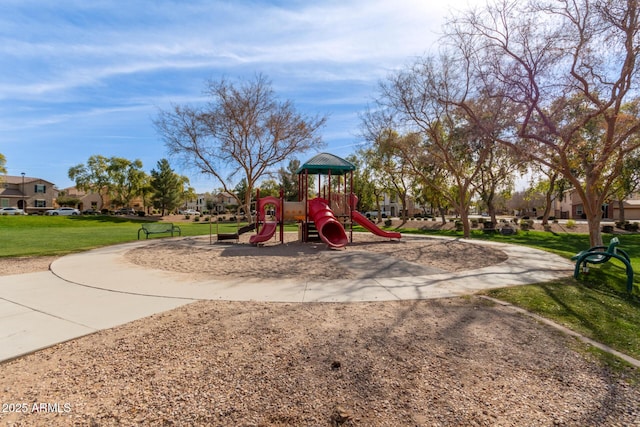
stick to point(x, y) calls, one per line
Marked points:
point(325, 164)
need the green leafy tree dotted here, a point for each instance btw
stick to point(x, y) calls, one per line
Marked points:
point(3, 164)
point(269, 187)
point(167, 187)
point(188, 192)
point(289, 180)
point(94, 176)
point(127, 180)
point(628, 182)
point(364, 185)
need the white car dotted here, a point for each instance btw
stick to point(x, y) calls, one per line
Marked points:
point(64, 211)
point(190, 212)
point(12, 211)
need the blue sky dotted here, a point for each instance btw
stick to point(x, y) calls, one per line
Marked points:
point(79, 78)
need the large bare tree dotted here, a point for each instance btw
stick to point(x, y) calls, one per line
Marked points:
point(244, 132)
point(570, 68)
point(438, 133)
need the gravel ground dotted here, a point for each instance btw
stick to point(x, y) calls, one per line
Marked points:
point(449, 362)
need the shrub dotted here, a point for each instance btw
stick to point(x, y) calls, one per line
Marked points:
point(571, 223)
point(387, 223)
point(197, 218)
point(187, 217)
point(632, 227)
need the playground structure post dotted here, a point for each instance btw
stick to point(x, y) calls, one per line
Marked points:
point(281, 219)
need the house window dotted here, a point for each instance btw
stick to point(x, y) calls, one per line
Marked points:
point(40, 188)
point(4, 203)
point(38, 203)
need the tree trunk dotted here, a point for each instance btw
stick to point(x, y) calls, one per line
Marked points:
point(621, 210)
point(464, 217)
point(593, 212)
point(547, 206)
point(595, 233)
point(247, 205)
point(404, 209)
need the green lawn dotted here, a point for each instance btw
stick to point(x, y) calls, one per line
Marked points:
point(596, 305)
point(57, 235)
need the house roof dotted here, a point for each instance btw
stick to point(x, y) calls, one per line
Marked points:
point(10, 192)
point(325, 164)
point(12, 179)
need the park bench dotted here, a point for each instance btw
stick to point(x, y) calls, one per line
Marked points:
point(159, 228)
point(602, 254)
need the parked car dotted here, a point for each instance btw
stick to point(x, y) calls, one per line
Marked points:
point(12, 211)
point(190, 212)
point(64, 211)
point(125, 211)
point(90, 212)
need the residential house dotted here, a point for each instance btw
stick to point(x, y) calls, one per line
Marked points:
point(631, 208)
point(570, 206)
point(88, 200)
point(92, 200)
point(33, 195)
point(392, 206)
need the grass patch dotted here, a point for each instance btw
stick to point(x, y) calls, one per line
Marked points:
point(59, 235)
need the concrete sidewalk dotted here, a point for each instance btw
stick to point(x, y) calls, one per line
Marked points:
point(84, 293)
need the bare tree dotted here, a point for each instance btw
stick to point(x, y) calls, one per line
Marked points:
point(569, 68)
point(242, 133)
point(417, 99)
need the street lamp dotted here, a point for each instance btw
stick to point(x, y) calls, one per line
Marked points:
point(23, 202)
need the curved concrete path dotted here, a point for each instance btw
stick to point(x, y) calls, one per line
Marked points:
point(98, 289)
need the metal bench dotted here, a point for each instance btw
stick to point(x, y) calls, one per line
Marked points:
point(602, 254)
point(159, 228)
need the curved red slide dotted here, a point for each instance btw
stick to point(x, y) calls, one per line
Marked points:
point(330, 230)
point(366, 223)
point(266, 232)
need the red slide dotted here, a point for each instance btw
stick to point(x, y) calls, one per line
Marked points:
point(366, 223)
point(266, 232)
point(330, 230)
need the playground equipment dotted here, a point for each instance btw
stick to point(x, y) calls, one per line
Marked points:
point(362, 220)
point(329, 228)
point(268, 228)
point(325, 217)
